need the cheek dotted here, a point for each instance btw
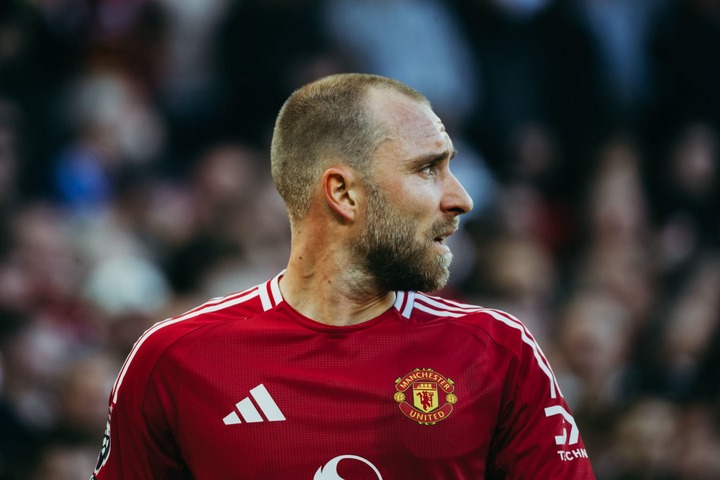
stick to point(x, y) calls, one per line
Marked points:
point(413, 201)
point(416, 201)
point(421, 212)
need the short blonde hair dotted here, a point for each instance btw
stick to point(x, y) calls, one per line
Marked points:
point(326, 120)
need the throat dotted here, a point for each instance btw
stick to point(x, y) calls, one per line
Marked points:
point(333, 301)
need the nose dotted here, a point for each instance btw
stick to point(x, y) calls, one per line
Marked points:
point(455, 200)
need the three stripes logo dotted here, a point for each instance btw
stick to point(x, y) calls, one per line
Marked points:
point(246, 408)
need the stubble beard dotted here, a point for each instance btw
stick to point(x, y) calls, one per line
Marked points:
point(392, 255)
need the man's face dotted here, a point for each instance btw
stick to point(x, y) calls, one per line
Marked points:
point(413, 201)
point(396, 254)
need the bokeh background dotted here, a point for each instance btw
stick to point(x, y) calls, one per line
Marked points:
point(134, 184)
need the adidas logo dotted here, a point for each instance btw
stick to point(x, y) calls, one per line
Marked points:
point(246, 408)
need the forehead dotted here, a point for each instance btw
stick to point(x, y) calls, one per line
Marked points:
point(412, 127)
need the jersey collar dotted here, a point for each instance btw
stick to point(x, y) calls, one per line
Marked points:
point(270, 296)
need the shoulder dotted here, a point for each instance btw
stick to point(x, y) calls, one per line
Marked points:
point(232, 307)
point(500, 326)
point(491, 327)
point(177, 333)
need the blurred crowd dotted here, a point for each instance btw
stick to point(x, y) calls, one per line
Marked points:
point(134, 184)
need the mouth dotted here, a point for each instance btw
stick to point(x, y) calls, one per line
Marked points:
point(441, 239)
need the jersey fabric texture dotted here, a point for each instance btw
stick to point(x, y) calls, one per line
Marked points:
point(245, 387)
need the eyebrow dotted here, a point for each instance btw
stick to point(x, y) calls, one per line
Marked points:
point(431, 158)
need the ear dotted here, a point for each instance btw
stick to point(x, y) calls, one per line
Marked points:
point(340, 191)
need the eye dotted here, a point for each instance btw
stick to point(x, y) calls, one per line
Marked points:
point(429, 170)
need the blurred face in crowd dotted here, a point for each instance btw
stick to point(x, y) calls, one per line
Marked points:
point(413, 199)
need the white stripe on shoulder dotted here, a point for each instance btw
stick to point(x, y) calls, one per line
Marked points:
point(444, 304)
point(265, 300)
point(270, 294)
point(210, 306)
point(543, 363)
point(226, 298)
point(438, 312)
point(455, 303)
point(275, 288)
point(399, 300)
point(434, 305)
point(404, 302)
point(409, 305)
point(449, 308)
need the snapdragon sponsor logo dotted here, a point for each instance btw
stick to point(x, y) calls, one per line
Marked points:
point(329, 470)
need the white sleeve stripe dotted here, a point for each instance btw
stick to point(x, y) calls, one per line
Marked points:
point(270, 294)
point(404, 302)
point(453, 303)
point(439, 313)
point(265, 297)
point(424, 303)
point(521, 324)
point(399, 300)
point(535, 347)
point(275, 289)
point(528, 334)
point(435, 303)
point(409, 305)
point(216, 300)
point(213, 307)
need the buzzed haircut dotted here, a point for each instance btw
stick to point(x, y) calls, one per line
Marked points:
point(323, 121)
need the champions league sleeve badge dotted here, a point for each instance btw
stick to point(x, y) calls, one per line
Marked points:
point(104, 450)
point(425, 396)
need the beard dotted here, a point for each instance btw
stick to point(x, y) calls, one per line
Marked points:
point(392, 255)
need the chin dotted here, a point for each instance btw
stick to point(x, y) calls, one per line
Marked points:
point(431, 283)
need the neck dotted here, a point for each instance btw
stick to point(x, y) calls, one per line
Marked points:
point(325, 289)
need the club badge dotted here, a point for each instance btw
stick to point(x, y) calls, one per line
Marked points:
point(425, 396)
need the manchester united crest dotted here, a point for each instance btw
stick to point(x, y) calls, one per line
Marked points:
point(425, 396)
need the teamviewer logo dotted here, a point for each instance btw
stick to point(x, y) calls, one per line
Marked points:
point(246, 408)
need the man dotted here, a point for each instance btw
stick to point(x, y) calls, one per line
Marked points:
point(339, 367)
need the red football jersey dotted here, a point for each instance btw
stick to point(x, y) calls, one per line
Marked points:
point(245, 387)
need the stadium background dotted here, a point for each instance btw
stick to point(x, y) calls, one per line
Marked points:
point(134, 184)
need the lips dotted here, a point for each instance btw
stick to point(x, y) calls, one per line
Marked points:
point(445, 231)
point(443, 237)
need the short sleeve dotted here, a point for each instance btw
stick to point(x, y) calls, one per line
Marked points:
point(537, 436)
